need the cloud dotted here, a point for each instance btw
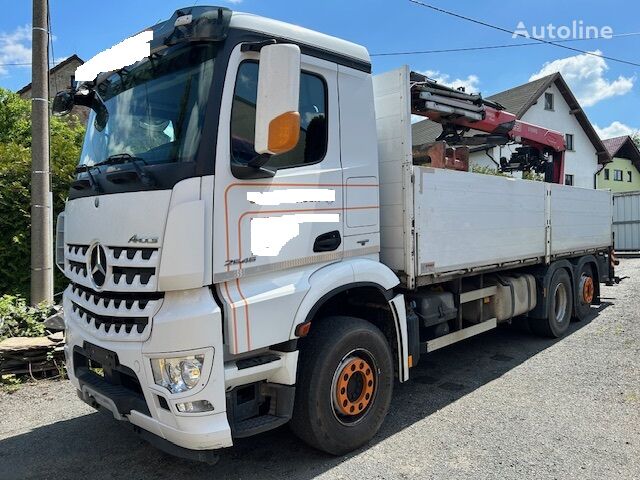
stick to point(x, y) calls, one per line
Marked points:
point(234, 2)
point(470, 83)
point(15, 47)
point(616, 129)
point(585, 74)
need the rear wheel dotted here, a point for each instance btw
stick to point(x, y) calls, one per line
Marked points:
point(344, 386)
point(585, 293)
point(559, 307)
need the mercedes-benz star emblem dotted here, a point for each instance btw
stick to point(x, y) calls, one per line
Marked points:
point(98, 265)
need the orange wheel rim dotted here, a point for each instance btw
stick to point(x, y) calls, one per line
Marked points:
point(355, 386)
point(587, 289)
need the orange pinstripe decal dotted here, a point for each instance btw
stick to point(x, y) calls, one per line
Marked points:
point(226, 221)
point(271, 184)
point(260, 212)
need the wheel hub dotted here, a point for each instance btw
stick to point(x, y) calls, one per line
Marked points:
point(354, 386)
point(587, 289)
point(561, 300)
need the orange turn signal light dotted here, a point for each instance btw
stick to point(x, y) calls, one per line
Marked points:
point(302, 330)
point(284, 132)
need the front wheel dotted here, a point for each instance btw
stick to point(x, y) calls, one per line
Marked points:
point(345, 384)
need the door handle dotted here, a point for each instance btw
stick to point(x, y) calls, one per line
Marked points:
point(327, 242)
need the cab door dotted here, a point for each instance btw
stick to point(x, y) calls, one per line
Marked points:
point(271, 233)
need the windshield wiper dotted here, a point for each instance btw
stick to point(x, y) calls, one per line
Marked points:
point(121, 158)
point(79, 184)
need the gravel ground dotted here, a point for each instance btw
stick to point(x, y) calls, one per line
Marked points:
point(502, 405)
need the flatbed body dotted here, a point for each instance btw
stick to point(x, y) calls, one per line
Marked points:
point(439, 224)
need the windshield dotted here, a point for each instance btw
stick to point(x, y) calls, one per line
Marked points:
point(155, 108)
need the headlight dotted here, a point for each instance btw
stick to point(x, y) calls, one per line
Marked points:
point(177, 374)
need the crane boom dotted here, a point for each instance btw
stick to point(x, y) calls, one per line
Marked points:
point(459, 113)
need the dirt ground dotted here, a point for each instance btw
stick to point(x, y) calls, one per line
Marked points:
point(505, 405)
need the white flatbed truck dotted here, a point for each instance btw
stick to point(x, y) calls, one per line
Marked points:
point(249, 242)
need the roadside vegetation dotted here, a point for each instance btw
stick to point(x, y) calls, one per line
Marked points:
point(17, 318)
point(15, 181)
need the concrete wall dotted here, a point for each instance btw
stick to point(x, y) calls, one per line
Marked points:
point(616, 186)
point(582, 162)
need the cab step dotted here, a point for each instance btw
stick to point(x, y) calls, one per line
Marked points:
point(255, 425)
point(259, 407)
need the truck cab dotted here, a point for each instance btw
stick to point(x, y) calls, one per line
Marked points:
point(189, 253)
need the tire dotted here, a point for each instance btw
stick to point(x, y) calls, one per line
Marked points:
point(585, 293)
point(332, 413)
point(559, 307)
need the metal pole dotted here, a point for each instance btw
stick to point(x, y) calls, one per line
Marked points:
point(41, 235)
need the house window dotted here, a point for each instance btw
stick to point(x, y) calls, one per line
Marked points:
point(568, 179)
point(569, 141)
point(548, 101)
point(312, 144)
point(606, 174)
point(617, 175)
point(629, 177)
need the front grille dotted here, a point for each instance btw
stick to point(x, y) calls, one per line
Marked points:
point(128, 269)
point(112, 315)
point(78, 268)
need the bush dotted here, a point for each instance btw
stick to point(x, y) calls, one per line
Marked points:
point(536, 177)
point(15, 180)
point(17, 319)
point(485, 170)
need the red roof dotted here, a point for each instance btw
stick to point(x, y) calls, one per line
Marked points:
point(623, 147)
point(614, 144)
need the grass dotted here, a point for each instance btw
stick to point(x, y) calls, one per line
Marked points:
point(10, 383)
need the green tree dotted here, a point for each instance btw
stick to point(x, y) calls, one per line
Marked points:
point(15, 180)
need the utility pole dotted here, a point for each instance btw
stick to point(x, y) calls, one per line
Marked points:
point(41, 214)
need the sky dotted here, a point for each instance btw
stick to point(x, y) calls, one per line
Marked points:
point(608, 90)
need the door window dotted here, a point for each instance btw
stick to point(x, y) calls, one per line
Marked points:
point(312, 144)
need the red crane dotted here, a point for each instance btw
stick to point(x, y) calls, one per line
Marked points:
point(460, 113)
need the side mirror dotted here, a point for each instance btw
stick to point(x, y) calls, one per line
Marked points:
point(277, 117)
point(63, 103)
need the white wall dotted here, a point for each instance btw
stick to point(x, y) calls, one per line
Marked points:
point(582, 163)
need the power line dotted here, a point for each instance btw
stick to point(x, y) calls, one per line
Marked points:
point(490, 47)
point(420, 52)
point(26, 64)
point(461, 49)
point(505, 30)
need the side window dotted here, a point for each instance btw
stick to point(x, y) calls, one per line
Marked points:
point(569, 141)
point(548, 101)
point(312, 145)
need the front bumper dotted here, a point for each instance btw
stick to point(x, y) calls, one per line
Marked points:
point(187, 322)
